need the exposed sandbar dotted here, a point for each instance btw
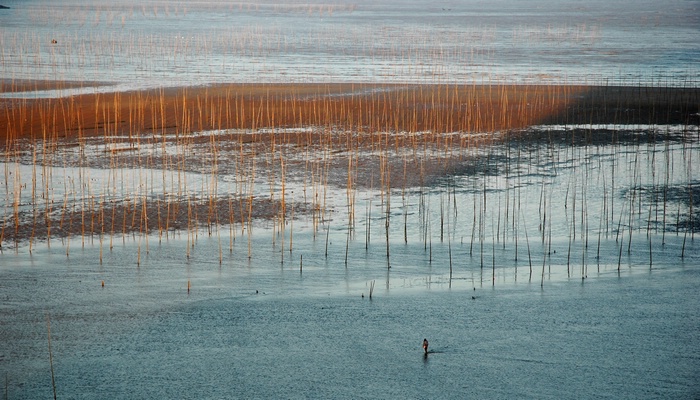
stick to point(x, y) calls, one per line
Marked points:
point(29, 85)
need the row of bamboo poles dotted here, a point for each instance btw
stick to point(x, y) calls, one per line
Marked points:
point(279, 129)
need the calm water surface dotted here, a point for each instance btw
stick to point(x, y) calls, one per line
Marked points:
point(250, 332)
point(559, 323)
point(604, 305)
point(153, 43)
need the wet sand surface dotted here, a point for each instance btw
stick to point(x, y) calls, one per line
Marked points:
point(32, 85)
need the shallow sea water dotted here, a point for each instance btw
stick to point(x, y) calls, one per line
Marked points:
point(255, 332)
point(511, 311)
point(520, 314)
point(153, 43)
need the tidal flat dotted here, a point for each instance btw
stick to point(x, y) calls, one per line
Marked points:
point(257, 200)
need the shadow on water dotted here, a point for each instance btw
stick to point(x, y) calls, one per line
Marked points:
point(684, 197)
point(630, 105)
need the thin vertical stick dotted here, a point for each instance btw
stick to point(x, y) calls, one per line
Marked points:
point(328, 229)
point(53, 379)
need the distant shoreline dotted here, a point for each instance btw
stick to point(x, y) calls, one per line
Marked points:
point(362, 107)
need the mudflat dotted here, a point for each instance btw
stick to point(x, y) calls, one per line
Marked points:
point(356, 107)
point(336, 119)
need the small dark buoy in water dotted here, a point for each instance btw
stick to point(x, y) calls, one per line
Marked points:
point(54, 41)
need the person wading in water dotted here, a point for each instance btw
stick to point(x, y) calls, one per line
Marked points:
point(425, 346)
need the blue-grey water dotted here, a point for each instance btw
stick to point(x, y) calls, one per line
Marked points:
point(153, 43)
point(573, 273)
point(610, 313)
point(256, 331)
